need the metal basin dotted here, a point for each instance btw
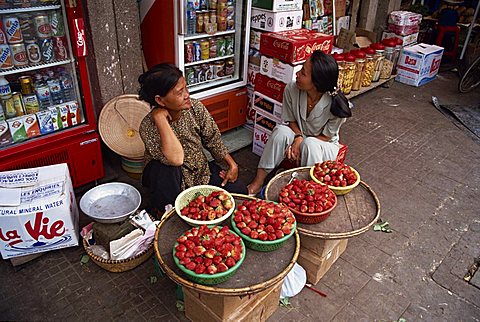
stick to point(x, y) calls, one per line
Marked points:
point(110, 202)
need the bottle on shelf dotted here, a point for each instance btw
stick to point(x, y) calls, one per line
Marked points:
point(191, 18)
point(43, 92)
point(6, 99)
point(30, 100)
point(66, 83)
point(56, 92)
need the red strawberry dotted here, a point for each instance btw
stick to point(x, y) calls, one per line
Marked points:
point(221, 267)
point(189, 253)
point(191, 266)
point(279, 234)
point(180, 255)
point(263, 235)
point(199, 250)
point(181, 248)
point(200, 269)
point(210, 253)
point(198, 259)
point(217, 260)
point(181, 239)
point(254, 234)
point(230, 262)
point(237, 252)
point(246, 231)
point(207, 262)
point(212, 269)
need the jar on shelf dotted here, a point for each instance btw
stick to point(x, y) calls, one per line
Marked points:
point(348, 74)
point(369, 67)
point(341, 68)
point(360, 60)
point(378, 57)
point(387, 66)
point(398, 51)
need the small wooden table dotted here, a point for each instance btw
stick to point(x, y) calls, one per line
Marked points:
point(251, 293)
point(324, 242)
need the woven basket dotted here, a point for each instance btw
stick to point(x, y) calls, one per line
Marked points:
point(260, 245)
point(122, 265)
point(314, 217)
point(209, 279)
point(339, 191)
point(191, 193)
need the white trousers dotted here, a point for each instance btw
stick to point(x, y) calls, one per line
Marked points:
point(312, 149)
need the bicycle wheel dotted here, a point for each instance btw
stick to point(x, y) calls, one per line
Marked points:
point(471, 77)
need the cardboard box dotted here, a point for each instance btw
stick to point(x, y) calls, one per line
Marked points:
point(252, 71)
point(250, 117)
point(294, 45)
point(270, 87)
point(404, 18)
point(276, 21)
point(407, 40)
point(207, 307)
point(275, 68)
point(278, 5)
point(262, 130)
point(361, 38)
point(38, 211)
point(419, 64)
point(267, 106)
point(316, 266)
point(255, 38)
point(321, 247)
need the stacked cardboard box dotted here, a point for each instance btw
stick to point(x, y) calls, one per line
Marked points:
point(404, 25)
point(318, 255)
point(282, 56)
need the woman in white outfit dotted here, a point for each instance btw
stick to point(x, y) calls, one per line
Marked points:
point(314, 110)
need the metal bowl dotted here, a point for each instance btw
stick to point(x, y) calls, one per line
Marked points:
point(110, 202)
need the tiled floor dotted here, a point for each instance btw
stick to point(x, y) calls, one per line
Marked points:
point(424, 169)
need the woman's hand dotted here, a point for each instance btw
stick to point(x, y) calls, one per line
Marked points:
point(293, 151)
point(160, 114)
point(230, 175)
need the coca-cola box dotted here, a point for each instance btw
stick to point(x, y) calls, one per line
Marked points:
point(294, 45)
point(262, 130)
point(275, 68)
point(270, 87)
point(267, 105)
point(38, 211)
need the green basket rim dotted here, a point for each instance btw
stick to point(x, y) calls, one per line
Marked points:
point(195, 222)
point(230, 270)
point(333, 188)
point(268, 242)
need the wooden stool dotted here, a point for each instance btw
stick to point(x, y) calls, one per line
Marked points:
point(442, 30)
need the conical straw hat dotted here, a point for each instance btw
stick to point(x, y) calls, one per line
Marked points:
point(119, 122)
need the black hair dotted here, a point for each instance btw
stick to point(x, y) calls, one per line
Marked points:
point(324, 78)
point(158, 80)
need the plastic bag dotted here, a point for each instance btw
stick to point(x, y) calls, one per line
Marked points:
point(294, 282)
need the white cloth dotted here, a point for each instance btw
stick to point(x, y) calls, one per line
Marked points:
point(319, 121)
point(133, 243)
point(294, 282)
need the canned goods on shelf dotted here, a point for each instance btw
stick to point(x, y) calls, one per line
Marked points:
point(190, 75)
point(12, 29)
point(19, 55)
point(219, 69)
point(42, 26)
point(205, 49)
point(6, 61)
point(213, 47)
point(33, 51)
point(47, 50)
point(220, 47)
point(189, 52)
point(229, 45)
point(60, 47)
point(229, 67)
point(197, 51)
point(27, 26)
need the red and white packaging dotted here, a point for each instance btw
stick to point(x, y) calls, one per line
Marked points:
point(275, 68)
point(294, 45)
point(267, 106)
point(64, 115)
point(404, 18)
point(270, 87)
point(262, 130)
point(419, 64)
point(73, 113)
point(250, 117)
point(5, 135)
point(31, 125)
point(403, 30)
point(253, 70)
point(38, 210)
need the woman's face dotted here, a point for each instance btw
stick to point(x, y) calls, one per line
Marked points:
point(304, 77)
point(177, 99)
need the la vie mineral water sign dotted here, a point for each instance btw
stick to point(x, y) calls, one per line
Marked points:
point(42, 215)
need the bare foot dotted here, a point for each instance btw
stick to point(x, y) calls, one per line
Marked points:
point(253, 189)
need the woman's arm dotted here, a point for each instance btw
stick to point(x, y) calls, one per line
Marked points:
point(170, 145)
point(232, 173)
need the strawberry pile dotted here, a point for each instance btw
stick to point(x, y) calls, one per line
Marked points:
point(206, 250)
point(210, 207)
point(334, 173)
point(307, 196)
point(259, 219)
